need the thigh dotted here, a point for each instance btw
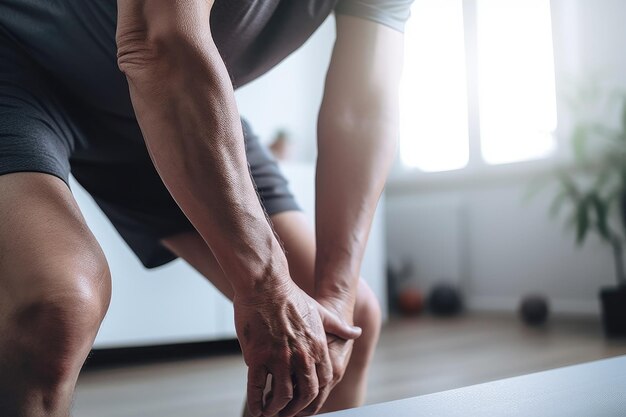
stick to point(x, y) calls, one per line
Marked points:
point(291, 227)
point(36, 134)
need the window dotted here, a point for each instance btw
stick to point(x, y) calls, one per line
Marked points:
point(510, 47)
point(434, 129)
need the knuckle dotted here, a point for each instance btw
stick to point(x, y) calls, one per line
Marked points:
point(326, 378)
point(259, 358)
point(309, 384)
point(312, 393)
point(309, 388)
point(337, 376)
point(283, 355)
point(252, 385)
point(285, 398)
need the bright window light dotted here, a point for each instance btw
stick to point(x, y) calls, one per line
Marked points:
point(433, 98)
point(517, 94)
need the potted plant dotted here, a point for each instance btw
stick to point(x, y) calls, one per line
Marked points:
point(594, 187)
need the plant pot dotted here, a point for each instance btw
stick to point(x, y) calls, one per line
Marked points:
point(613, 300)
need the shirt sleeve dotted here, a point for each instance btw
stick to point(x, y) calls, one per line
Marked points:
point(392, 13)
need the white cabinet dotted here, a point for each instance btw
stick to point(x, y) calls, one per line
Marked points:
point(174, 303)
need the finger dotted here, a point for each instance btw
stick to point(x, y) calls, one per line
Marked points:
point(281, 395)
point(334, 325)
point(305, 390)
point(324, 370)
point(324, 376)
point(340, 351)
point(257, 377)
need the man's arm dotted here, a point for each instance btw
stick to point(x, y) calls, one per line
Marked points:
point(357, 135)
point(185, 106)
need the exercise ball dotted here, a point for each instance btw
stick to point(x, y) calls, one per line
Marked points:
point(445, 300)
point(534, 309)
point(410, 301)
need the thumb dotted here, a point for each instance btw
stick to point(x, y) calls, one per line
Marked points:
point(334, 325)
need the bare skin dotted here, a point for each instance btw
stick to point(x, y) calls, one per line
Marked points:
point(54, 292)
point(54, 280)
point(193, 133)
point(357, 133)
point(299, 241)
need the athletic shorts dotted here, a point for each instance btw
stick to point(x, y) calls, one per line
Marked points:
point(42, 129)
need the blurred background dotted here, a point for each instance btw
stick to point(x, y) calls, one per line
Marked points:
point(498, 246)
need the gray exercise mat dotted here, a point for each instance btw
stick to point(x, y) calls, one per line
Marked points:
point(596, 389)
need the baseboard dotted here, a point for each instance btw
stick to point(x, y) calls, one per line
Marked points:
point(511, 304)
point(102, 358)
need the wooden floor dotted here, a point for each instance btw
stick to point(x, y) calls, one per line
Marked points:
point(415, 357)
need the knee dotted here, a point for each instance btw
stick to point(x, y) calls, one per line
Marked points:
point(51, 328)
point(367, 315)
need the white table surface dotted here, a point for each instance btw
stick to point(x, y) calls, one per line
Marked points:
point(595, 389)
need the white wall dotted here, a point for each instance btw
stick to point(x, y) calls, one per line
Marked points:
point(602, 35)
point(289, 96)
point(496, 246)
point(481, 233)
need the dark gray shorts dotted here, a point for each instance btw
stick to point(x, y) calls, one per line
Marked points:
point(44, 129)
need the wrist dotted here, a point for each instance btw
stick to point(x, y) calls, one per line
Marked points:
point(340, 302)
point(261, 277)
point(336, 287)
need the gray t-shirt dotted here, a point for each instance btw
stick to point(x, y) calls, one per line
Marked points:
point(392, 13)
point(74, 40)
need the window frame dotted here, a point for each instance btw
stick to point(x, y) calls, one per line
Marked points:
point(477, 170)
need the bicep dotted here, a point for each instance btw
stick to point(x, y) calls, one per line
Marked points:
point(365, 68)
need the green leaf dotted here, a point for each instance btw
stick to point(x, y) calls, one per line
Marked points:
point(557, 203)
point(600, 129)
point(601, 210)
point(605, 133)
point(621, 206)
point(614, 196)
point(624, 115)
point(582, 221)
point(603, 176)
point(569, 186)
point(579, 142)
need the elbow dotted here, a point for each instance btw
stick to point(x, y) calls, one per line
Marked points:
point(143, 28)
point(376, 118)
point(155, 51)
point(153, 33)
point(140, 52)
point(135, 56)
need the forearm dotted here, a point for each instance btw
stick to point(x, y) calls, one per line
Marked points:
point(357, 135)
point(185, 106)
point(355, 156)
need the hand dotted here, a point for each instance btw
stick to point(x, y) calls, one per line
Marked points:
point(339, 349)
point(282, 334)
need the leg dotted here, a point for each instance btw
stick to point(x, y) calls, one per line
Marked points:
point(54, 292)
point(299, 241)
